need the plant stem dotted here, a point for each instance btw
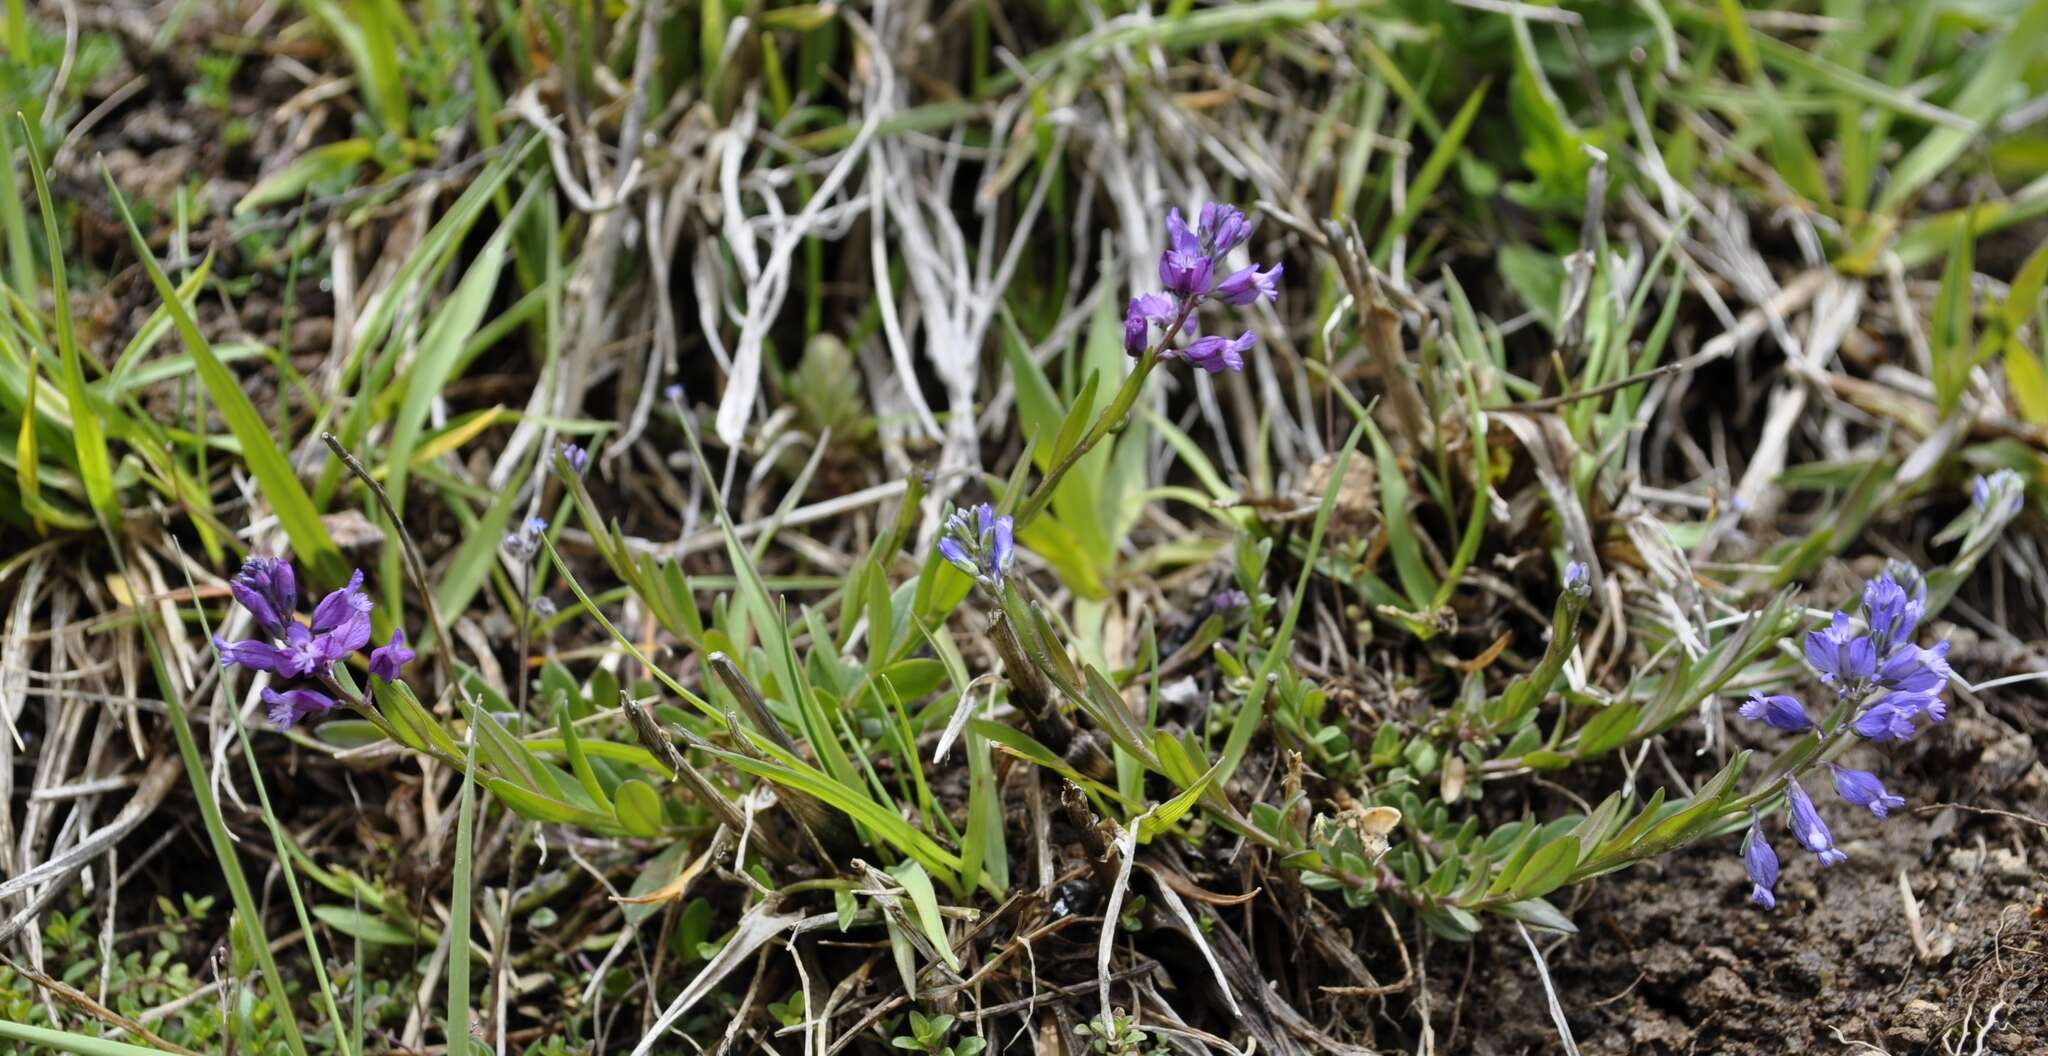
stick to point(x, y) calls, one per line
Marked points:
point(1111, 416)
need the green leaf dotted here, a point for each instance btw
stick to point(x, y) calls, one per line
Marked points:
point(579, 764)
point(288, 499)
point(918, 884)
point(88, 437)
point(77, 1044)
point(1541, 913)
point(1547, 869)
point(1165, 816)
point(1608, 730)
point(1432, 172)
point(1981, 100)
point(433, 363)
point(358, 925)
point(319, 165)
point(1536, 277)
point(1416, 581)
point(638, 807)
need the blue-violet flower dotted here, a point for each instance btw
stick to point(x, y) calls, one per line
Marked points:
point(1779, 712)
point(984, 546)
point(1862, 788)
point(1808, 828)
point(1762, 863)
point(388, 659)
point(1189, 270)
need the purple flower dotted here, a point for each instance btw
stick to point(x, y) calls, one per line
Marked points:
point(1229, 598)
point(1184, 275)
point(2001, 492)
point(951, 550)
point(672, 391)
point(1224, 228)
point(1914, 705)
point(1844, 658)
point(1862, 788)
point(1909, 578)
point(294, 705)
point(1578, 579)
point(1180, 238)
point(1891, 613)
point(1003, 553)
point(577, 457)
point(1762, 863)
point(525, 542)
point(341, 625)
point(386, 660)
point(1808, 828)
point(1779, 712)
point(343, 618)
point(1144, 312)
point(1911, 669)
point(1885, 721)
point(982, 545)
point(266, 587)
point(1218, 354)
point(1188, 270)
point(256, 656)
point(1248, 284)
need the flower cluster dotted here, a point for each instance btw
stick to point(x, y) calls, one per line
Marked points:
point(577, 458)
point(2001, 491)
point(1890, 685)
point(302, 654)
point(983, 546)
point(524, 542)
point(1190, 270)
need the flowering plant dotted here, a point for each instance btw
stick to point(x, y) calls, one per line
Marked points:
point(302, 655)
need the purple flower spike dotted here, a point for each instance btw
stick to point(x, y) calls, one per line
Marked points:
point(1245, 285)
point(1224, 227)
point(1762, 863)
point(386, 660)
point(1862, 788)
point(577, 457)
point(2002, 492)
point(295, 705)
point(1891, 613)
point(1808, 828)
point(1885, 721)
point(1218, 354)
point(1578, 579)
point(981, 544)
point(1229, 598)
point(266, 587)
point(1779, 712)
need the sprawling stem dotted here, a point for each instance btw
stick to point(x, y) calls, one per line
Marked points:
point(1110, 418)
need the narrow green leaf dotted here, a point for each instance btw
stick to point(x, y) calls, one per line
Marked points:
point(1547, 869)
point(925, 901)
point(294, 508)
point(95, 466)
